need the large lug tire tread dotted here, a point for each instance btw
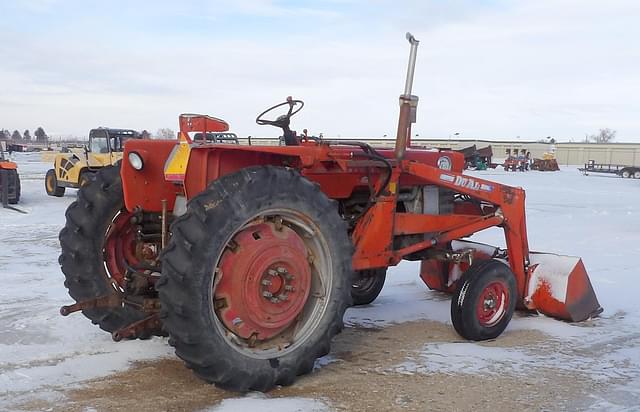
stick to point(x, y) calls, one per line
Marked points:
point(463, 303)
point(18, 188)
point(81, 241)
point(198, 237)
point(50, 179)
point(85, 178)
point(369, 293)
point(14, 187)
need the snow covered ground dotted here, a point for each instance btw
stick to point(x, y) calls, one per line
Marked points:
point(595, 217)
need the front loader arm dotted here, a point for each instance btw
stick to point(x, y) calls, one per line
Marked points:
point(372, 232)
point(555, 285)
point(510, 203)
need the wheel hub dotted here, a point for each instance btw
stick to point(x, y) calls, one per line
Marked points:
point(277, 284)
point(263, 281)
point(120, 247)
point(492, 304)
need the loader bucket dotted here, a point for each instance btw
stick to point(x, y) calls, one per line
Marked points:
point(559, 287)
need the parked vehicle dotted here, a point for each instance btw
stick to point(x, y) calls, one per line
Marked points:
point(620, 170)
point(73, 170)
point(248, 256)
point(9, 179)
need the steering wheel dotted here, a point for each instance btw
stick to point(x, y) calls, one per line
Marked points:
point(283, 120)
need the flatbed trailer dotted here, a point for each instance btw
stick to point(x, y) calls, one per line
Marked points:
point(620, 170)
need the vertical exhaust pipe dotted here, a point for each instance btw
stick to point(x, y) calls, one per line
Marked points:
point(408, 103)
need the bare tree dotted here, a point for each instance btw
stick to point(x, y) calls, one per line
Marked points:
point(27, 136)
point(603, 136)
point(165, 133)
point(4, 134)
point(16, 135)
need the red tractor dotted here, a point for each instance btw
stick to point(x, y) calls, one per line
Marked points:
point(248, 256)
point(9, 179)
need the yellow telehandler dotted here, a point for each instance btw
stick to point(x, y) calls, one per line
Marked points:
point(77, 169)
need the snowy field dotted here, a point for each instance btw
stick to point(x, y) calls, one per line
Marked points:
point(595, 217)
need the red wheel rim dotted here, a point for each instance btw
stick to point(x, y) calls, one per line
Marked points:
point(264, 282)
point(120, 247)
point(492, 303)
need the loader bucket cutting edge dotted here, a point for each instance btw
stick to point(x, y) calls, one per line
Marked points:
point(560, 287)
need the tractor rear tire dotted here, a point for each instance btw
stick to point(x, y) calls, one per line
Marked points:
point(14, 187)
point(226, 223)
point(85, 178)
point(82, 243)
point(367, 285)
point(484, 301)
point(51, 184)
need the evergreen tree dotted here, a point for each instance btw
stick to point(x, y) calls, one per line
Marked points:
point(40, 134)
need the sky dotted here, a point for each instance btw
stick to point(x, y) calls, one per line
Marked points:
point(488, 69)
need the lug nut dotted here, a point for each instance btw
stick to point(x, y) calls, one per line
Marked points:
point(283, 297)
point(289, 288)
point(281, 270)
point(275, 300)
point(267, 294)
point(272, 272)
point(266, 282)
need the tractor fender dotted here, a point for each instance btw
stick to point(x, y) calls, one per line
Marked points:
point(7, 165)
point(207, 164)
point(147, 188)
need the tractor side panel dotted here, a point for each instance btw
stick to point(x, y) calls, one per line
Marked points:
point(209, 164)
point(339, 184)
point(147, 188)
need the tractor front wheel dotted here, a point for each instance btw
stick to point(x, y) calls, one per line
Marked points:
point(484, 301)
point(256, 279)
point(51, 184)
point(367, 285)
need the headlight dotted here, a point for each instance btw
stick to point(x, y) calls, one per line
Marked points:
point(444, 163)
point(135, 160)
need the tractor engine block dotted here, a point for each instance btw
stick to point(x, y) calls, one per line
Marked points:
point(427, 199)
